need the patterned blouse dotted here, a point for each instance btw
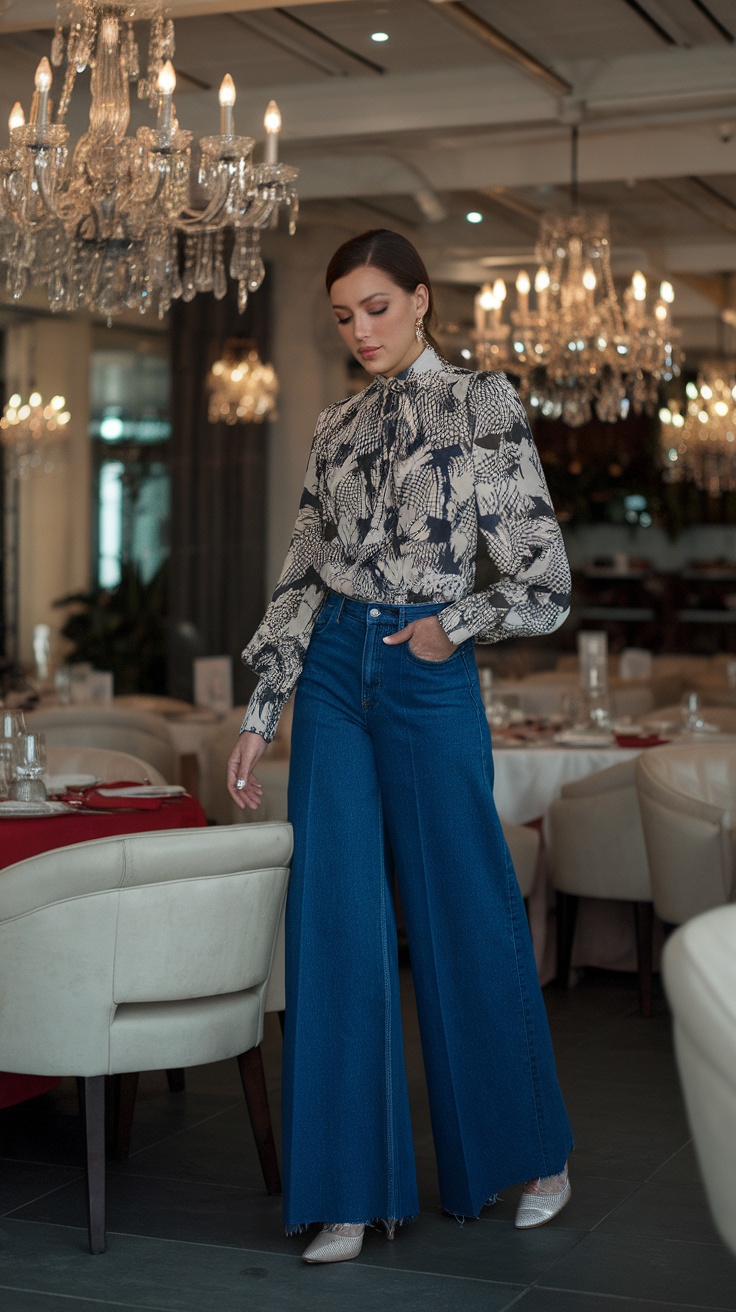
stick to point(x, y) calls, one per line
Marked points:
point(400, 479)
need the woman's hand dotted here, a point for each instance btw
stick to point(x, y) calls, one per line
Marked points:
point(426, 638)
point(247, 751)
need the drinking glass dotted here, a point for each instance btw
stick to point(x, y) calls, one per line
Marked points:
point(692, 719)
point(29, 751)
point(6, 775)
point(12, 723)
point(593, 658)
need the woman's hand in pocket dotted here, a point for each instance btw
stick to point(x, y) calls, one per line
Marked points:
point(427, 639)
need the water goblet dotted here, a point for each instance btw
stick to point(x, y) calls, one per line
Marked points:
point(29, 753)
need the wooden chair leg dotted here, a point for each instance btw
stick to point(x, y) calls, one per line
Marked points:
point(253, 1079)
point(644, 917)
point(94, 1106)
point(177, 1080)
point(125, 1093)
point(567, 914)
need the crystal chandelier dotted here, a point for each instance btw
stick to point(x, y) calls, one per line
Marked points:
point(110, 225)
point(242, 389)
point(699, 436)
point(32, 433)
point(575, 348)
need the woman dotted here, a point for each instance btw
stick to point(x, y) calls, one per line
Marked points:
point(375, 618)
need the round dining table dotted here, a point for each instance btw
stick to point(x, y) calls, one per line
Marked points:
point(27, 836)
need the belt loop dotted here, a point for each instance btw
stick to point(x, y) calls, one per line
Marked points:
point(342, 603)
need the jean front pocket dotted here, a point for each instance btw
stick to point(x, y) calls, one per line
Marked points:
point(427, 664)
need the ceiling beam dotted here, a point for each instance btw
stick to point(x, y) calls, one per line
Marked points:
point(20, 15)
point(502, 45)
point(713, 20)
point(651, 22)
point(362, 62)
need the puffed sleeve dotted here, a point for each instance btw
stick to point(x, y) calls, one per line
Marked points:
point(515, 516)
point(279, 645)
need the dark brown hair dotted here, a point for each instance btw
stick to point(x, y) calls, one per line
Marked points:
point(380, 248)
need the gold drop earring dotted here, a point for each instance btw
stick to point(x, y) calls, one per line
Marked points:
point(419, 331)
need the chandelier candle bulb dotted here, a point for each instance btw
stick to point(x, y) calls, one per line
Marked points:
point(523, 288)
point(485, 301)
point(272, 124)
point(17, 117)
point(541, 287)
point(227, 100)
point(42, 82)
point(166, 86)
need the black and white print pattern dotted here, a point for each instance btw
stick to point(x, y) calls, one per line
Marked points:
point(400, 479)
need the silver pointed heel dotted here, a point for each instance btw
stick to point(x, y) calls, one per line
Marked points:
point(335, 1243)
point(537, 1209)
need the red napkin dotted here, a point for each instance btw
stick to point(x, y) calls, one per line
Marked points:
point(632, 740)
point(93, 800)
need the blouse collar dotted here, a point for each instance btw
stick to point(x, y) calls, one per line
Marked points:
point(429, 362)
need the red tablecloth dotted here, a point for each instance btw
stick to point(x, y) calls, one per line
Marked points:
point(23, 838)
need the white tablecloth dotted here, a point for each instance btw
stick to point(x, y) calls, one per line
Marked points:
point(528, 779)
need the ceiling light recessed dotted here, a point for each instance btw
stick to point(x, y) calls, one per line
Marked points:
point(474, 217)
point(379, 36)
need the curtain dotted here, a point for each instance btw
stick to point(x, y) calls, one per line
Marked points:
point(217, 562)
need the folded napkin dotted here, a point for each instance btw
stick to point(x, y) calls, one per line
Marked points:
point(93, 800)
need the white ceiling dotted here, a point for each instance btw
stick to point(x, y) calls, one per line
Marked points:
point(439, 108)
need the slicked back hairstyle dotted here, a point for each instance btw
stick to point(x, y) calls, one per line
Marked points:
point(394, 255)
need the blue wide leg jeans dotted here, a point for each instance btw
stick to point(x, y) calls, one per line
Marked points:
point(391, 766)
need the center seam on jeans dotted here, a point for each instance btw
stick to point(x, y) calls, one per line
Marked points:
point(387, 1023)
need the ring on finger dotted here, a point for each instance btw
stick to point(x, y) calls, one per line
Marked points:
point(240, 783)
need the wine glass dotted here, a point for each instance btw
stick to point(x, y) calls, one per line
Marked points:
point(29, 752)
point(12, 723)
point(6, 774)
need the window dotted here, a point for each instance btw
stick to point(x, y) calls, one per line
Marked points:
point(130, 386)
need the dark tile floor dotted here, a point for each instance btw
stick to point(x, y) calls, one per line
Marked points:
point(190, 1229)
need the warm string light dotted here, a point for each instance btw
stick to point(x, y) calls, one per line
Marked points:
point(574, 347)
point(62, 213)
point(699, 436)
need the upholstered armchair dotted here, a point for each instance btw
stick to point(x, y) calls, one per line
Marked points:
point(147, 952)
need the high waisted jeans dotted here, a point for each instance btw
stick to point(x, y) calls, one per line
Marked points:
point(391, 767)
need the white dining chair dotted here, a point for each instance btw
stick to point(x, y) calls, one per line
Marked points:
point(687, 800)
point(121, 729)
point(699, 971)
point(103, 764)
point(596, 850)
point(147, 952)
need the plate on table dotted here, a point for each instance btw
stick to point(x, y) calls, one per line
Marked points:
point(571, 738)
point(144, 790)
point(59, 783)
point(33, 810)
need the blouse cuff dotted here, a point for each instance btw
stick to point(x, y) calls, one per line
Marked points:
point(264, 711)
point(465, 618)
